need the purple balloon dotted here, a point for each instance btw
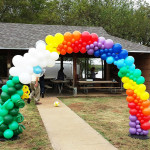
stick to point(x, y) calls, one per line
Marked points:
point(139, 130)
point(145, 132)
point(95, 44)
point(132, 130)
point(138, 126)
point(91, 45)
point(137, 122)
point(137, 133)
point(132, 118)
point(132, 124)
point(102, 46)
point(90, 52)
point(99, 45)
point(141, 133)
point(108, 43)
point(87, 47)
point(101, 40)
point(95, 48)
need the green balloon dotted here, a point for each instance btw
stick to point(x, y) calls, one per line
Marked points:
point(10, 83)
point(13, 125)
point(5, 88)
point(10, 77)
point(15, 97)
point(1, 102)
point(9, 105)
point(5, 96)
point(1, 134)
point(124, 70)
point(3, 127)
point(3, 111)
point(120, 74)
point(19, 118)
point(20, 103)
point(19, 129)
point(1, 118)
point(15, 79)
point(137, 73)
point(14, 111)
point(18, 86)
point(8, 133)
point(140, 80)
point(20, 92)
point(8, 119)
point(11, 90)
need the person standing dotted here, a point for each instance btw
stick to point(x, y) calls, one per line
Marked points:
point(35, 90)
point(42, 85)
point(93, 74)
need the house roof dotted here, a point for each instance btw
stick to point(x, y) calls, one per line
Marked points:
point(23, 36)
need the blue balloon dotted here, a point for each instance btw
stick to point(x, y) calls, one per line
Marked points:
point(108, 54)
point(116, 57)
point(132, 67)
point(123, 54)
point(37, 69)
point(97, 53)
point(117, 48)
point(110, 50)
point(109, 60)
point(113, 54)
point(106, 50)
point(120, 63)
point(101, 51)
point(103, 56)
point(129, 60)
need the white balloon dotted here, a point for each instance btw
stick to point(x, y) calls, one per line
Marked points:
point(54, 55)
point(40, 45)
point(33, 62)
point(32, 51)
point(51, 63)
point(25, 78)
point(17, 60)
point(13, 71)
point(43, 63)
point(28, 69)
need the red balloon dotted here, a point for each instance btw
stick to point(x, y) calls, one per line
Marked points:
point(83, 50)
point(131, 105)
point(75, 50)
point(133, 111)
point(146, 118)
point(86, 36)
point(94, 37)
point(145, 126)
point(79, 46)
point(76, 43)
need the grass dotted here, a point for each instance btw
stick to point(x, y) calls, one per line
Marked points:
point(34, 137)
point(110, 117)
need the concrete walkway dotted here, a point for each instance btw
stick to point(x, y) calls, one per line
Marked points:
point(67, 131)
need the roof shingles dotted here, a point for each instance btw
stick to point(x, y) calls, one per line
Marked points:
point(15, 35)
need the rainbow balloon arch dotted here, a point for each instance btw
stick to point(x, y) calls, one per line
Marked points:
point(45, 54)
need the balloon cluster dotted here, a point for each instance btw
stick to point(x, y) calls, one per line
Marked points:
point(76, 42)
point(10, 102)
point(33, 62)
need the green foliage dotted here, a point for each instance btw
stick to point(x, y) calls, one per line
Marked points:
point(120, 18)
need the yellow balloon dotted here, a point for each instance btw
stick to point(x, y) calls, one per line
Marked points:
point(142, 88)
point(125, 79)
point(49, 39)
point(144, 96)
point(126, 85)
point(59, 37)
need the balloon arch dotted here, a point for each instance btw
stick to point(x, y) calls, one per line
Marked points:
point(45, 54)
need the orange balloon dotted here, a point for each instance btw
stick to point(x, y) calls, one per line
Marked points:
point(62, 52)
point(73, 40)
point(60, 46)
point(68, 36)
point(65, 47)
point(129, 92)
point(130, 99)
point(64, 42)
point(68, 43)
point(146, 111)
point(69, 50)
point(76, 35)
point(146, 103)
point(58, 49)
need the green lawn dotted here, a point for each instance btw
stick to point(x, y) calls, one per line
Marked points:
point(110, 117)
point(34, 136)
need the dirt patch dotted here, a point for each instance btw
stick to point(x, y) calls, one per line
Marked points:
point(77, 106)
